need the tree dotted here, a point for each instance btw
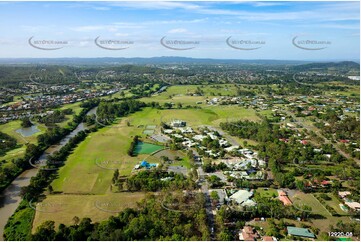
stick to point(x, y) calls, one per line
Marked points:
point(45, 232)
point(26, 123)
point(76, 220)
point(300, 185)
point(115, 176)
point(214, 195)
point(50, 189)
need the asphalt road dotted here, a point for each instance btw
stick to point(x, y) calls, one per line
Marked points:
point(205, 191)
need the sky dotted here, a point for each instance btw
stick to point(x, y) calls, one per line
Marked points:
point(326, 30)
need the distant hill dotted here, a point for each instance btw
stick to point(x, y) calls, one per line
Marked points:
point(144, 61)
point(343, 66)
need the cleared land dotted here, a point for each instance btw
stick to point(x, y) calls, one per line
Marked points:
point(181, 94)
point(63, 208)
point(95, 159)
point(210, 115)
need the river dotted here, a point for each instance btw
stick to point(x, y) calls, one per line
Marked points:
point(10, 198)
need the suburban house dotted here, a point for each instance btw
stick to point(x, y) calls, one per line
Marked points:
point(344, 194)
point(243, 197)
point(178, 123)
point(269, 238)
point(353, 205)
point(248, 234)
point(301, 232)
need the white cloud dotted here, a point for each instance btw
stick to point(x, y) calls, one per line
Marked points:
point(263, 4)
point(108, 27)
point(336, 11)
point(101, 8)
point(333, 26)
point(121, 34)
point(175, 31)
point(157, 5)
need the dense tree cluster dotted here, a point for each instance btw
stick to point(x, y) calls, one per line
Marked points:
point(155, 180)
point(280, 154)
point(9, 170)
point(215, 181)
point(26, 123)
point(132, 146)
point(56, 116)
point(348, 128)
point(150, 221)
point(6, 143)
point(108, 111)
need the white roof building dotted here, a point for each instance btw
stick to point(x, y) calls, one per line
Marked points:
point(229, 149)
point(353, 205)
point(241, 196)
point(186, 130)
point(212, 136)
point(178, 136)
point(167, 131)
point(199, 137)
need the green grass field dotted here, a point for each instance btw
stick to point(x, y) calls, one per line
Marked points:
point(350, 90)
point(11, 127)
point(300, 199)
point(269, 193)
point(68, 118)
point(334, 203)
point(212, 115)
point(94, 160)
point(178, 94)
point(323, 224)
point(96, 207)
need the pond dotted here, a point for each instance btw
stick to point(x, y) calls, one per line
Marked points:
point(146, 148)
point(29, 131)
